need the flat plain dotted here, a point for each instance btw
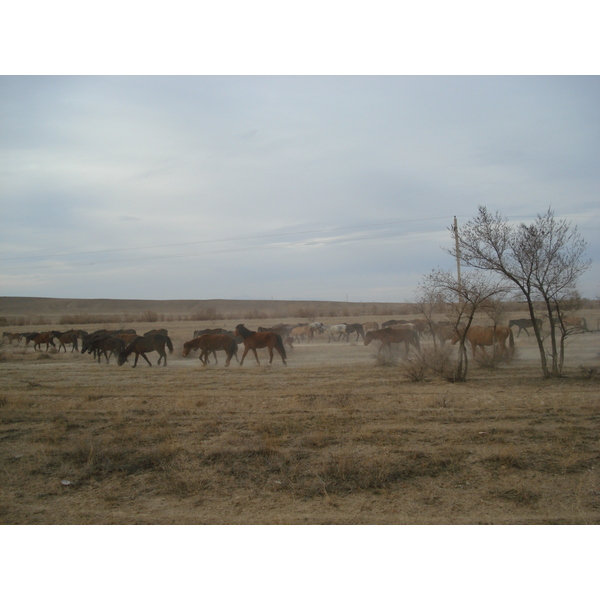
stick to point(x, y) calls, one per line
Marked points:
point(336, 437)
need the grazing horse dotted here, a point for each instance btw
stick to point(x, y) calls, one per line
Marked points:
point(211, 343)
point(262, 339)
point(104, 344)
point(576, 323)
point(143, 344)
point(488, 336)
point(355, 328)
point(388, 336)
point(317, 327)
point(524, 324)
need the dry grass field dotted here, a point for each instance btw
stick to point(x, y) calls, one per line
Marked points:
point(336, 437)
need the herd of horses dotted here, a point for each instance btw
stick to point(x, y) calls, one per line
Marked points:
point(126, 342)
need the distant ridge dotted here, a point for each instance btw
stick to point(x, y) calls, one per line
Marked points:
point(11, 306)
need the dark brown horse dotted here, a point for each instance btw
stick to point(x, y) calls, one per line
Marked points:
point(211, 343)
point(388, 336)
point(43, 338)
point(143, 344)
point(489, 336)
point(104, 344)
point(263, 339)
point(355, 328)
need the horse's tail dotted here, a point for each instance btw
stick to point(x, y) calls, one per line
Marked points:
point(280, 347)
point(169, 344)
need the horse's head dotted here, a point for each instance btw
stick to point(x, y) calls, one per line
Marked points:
point(368, 338)
point(122, 358)
point(186, 349)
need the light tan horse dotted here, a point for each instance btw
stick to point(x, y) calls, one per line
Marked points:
point(370, 325)
point(480, 336)
point(303, 331)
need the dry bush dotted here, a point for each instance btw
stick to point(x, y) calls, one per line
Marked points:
point(149, 316)
point(207, 314)
point(438, 361)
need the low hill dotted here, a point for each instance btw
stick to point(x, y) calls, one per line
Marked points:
point(11, 306)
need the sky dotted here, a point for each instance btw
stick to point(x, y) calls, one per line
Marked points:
point(279, 187)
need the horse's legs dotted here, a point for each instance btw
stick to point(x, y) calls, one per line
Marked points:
point(256, 355)
point(244, 355)
point(144, 357)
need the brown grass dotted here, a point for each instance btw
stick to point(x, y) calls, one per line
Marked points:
point(332, 438)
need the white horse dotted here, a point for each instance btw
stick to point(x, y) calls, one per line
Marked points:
point(336, 330)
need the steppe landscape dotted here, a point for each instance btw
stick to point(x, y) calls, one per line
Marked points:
point(336, 437)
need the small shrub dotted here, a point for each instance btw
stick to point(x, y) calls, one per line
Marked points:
point(149, 316)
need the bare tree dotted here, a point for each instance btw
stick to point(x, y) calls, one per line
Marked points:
point(543, 261)
point(462, 302)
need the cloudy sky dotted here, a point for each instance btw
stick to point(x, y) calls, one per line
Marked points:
point(283, 187)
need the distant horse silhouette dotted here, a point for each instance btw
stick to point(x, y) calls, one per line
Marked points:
point(388, 336)
point(262, 339)
point(11, 337)
point(480, 336)
point(524, 324)
point(211, 343)
point(143, 344)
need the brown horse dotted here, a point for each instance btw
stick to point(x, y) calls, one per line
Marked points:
point(68, 337)
point(43, 338)
point(488, 336)
point(263, 339)
point(388, 336)
point(143, 344)
point(12, 336)
point(104, 344)
point(211, 343)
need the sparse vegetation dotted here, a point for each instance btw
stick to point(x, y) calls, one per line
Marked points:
point(336, 437)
